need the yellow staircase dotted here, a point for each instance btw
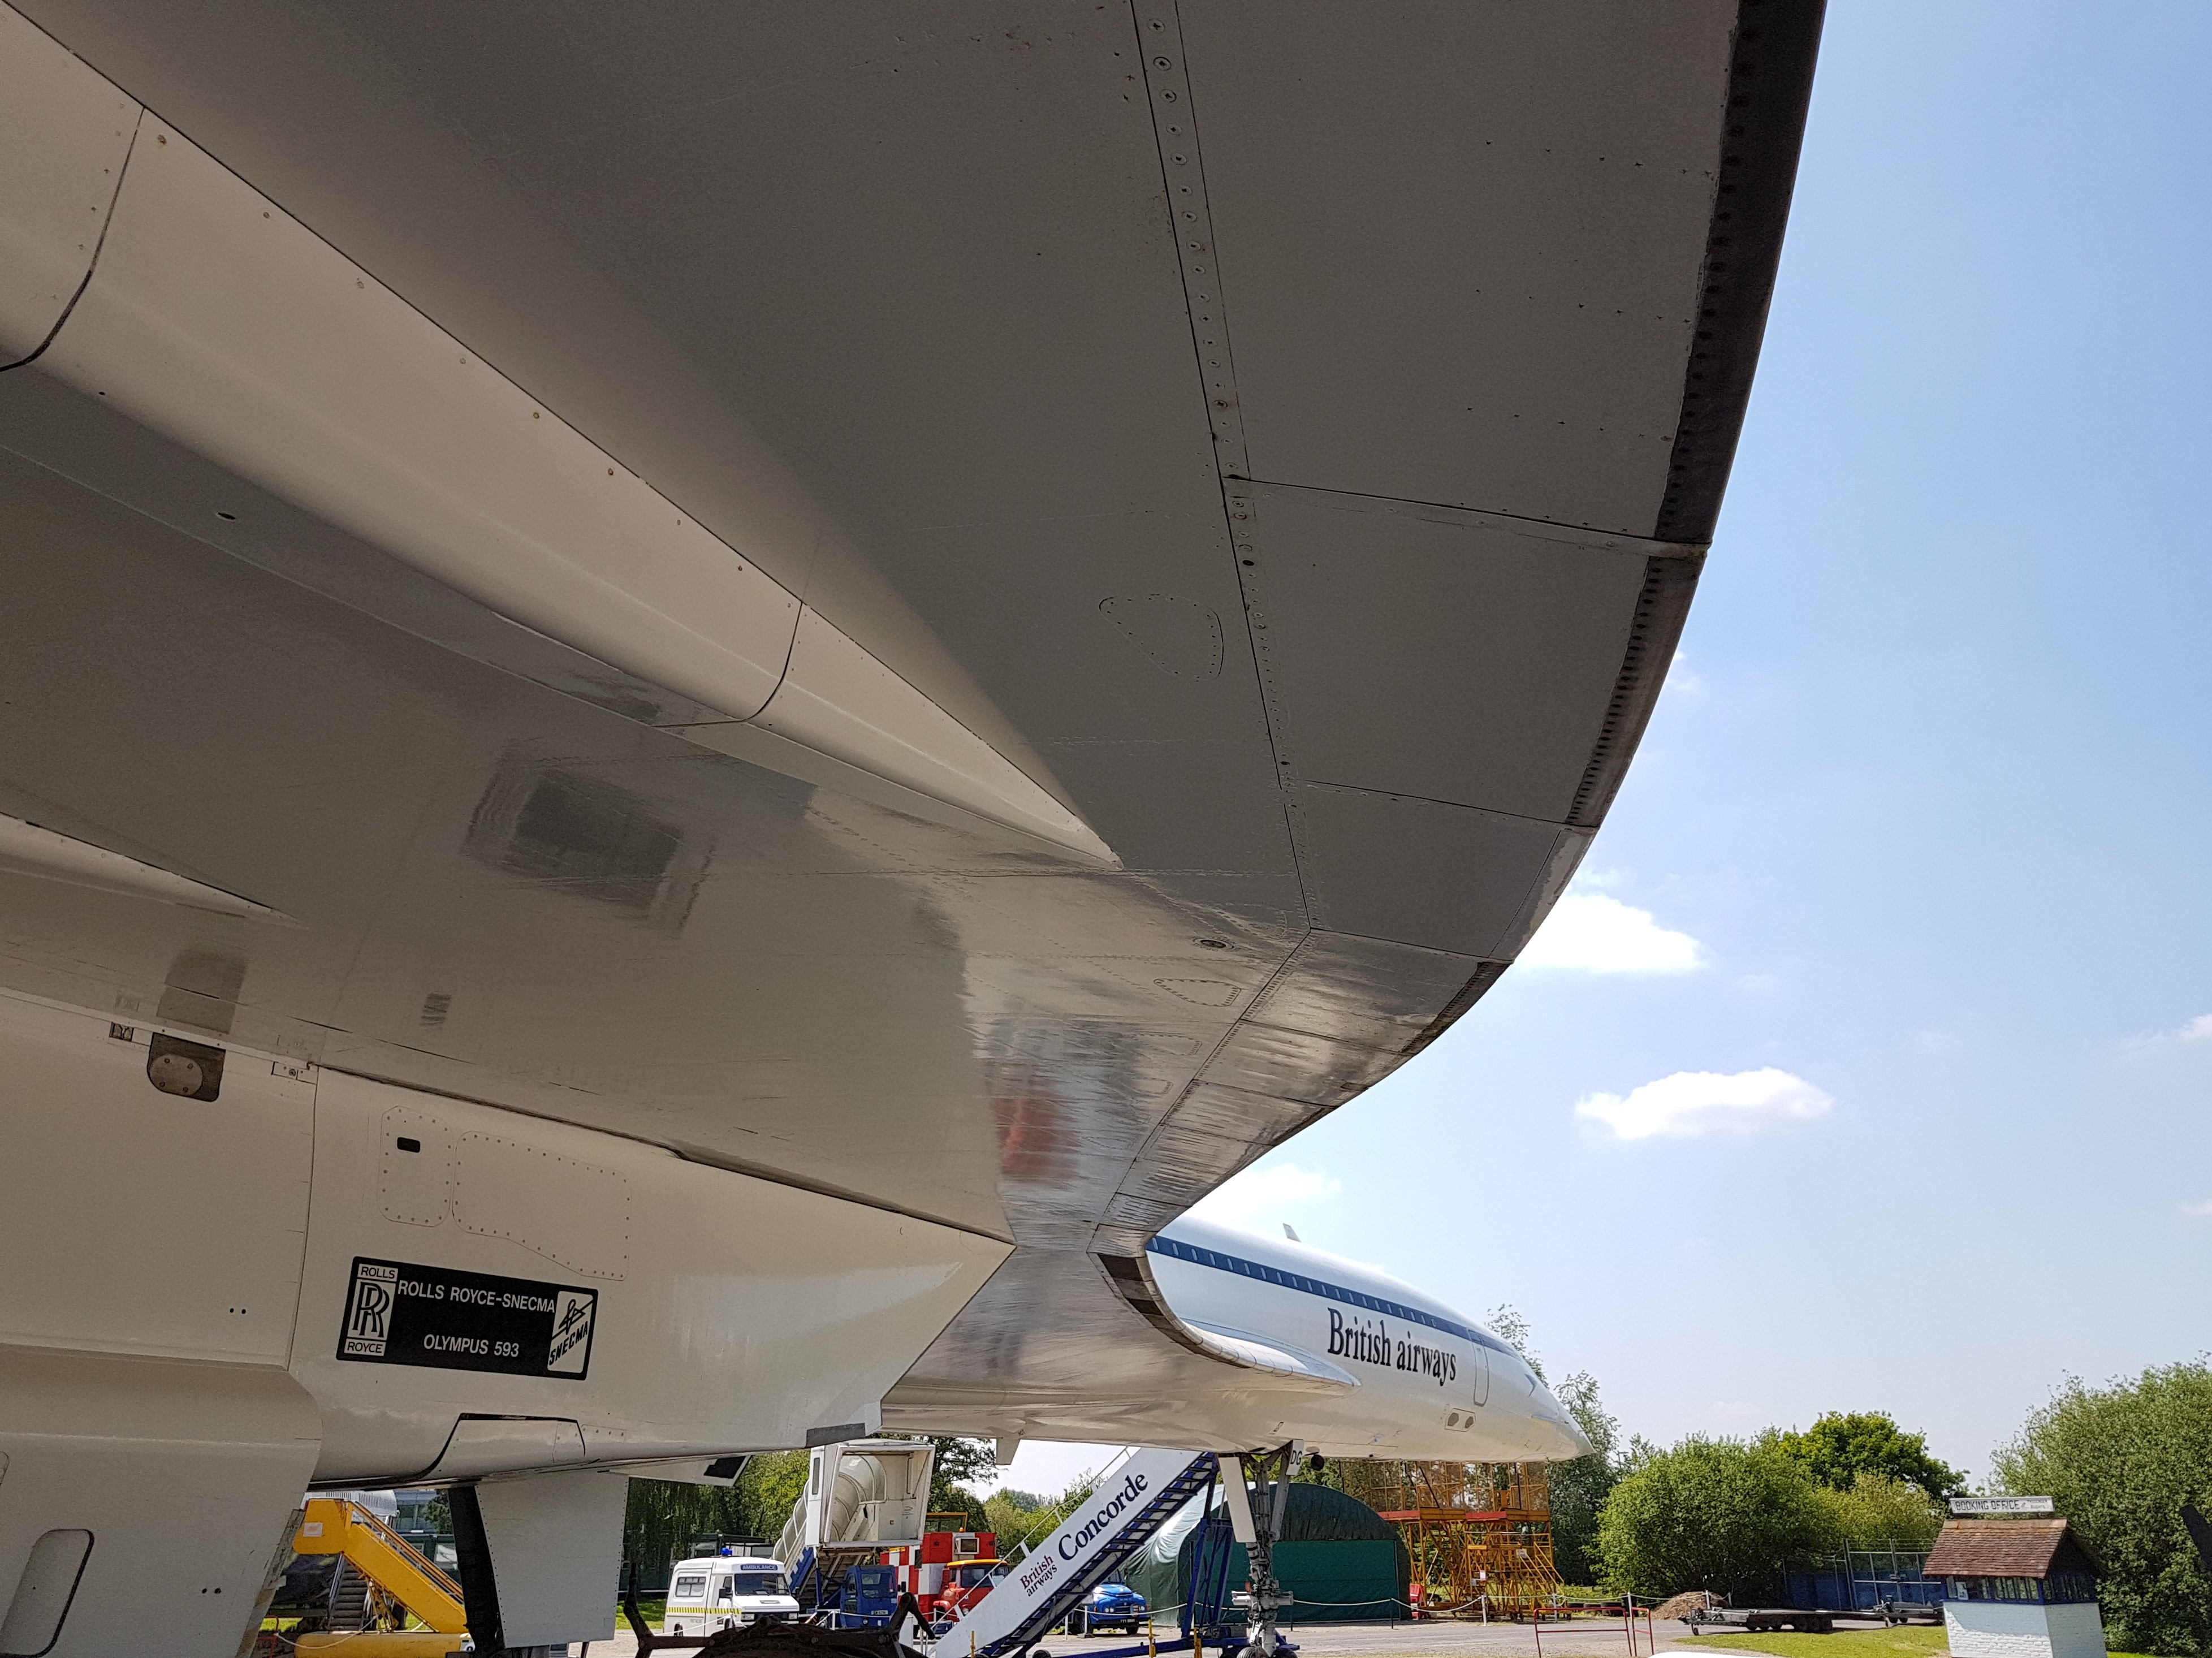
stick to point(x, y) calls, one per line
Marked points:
point(404, 1582)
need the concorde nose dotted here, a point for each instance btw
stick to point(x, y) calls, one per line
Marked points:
point(1562, 1440)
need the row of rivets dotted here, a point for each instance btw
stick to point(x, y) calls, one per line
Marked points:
point(1176, 127)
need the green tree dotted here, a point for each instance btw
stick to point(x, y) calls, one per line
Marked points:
point(1006, 1518)
point(1879, 1512)
point(1710, 1514)
point(2120, 1461)
point(1014, 1514)
point(1031, 1525)
point(1510, 1328)
point(767, 1492)
point(1843, 1445)
point(958, 1461)
point(1579, 1488)
point(662, 1516)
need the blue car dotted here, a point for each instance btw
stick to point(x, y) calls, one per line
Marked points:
point(1110, 1605)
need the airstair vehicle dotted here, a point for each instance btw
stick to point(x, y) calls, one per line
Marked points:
point(379, 1579)
point(862, 1497)
point(1137, 1495)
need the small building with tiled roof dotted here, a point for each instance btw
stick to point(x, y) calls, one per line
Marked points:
point(2017, 1588)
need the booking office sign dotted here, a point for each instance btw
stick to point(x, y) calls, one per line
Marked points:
point(400, 1314)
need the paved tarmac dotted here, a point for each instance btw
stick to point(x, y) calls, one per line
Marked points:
point(1445, 1637)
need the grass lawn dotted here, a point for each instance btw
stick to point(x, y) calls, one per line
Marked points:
point(1906, 1641)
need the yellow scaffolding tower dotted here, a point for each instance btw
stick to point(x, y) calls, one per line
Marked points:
point(1478, 1535)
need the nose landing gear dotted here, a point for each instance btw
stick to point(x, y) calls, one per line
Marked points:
point(1271, 1474)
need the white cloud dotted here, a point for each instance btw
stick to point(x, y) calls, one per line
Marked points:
point(2199, 1029)
point(1265, 1198)
point(1702, 1102)
point(1600, 934)
point(2204, 1208)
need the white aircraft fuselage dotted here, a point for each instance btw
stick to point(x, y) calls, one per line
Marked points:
point(1429, 1382)
point(314, 1278)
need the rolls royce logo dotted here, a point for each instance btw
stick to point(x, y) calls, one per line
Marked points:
point(369, 1319)
point(401, 1313)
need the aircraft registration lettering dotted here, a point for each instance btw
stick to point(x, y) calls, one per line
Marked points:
point(401, 1314)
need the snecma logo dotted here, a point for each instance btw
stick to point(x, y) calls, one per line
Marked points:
point(1096, 1526)
point(572, 1332)
point(1372, 1343)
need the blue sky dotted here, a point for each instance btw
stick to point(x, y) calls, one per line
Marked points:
point(1919, 830)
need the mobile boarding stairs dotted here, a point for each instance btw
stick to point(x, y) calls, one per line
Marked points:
point(866, 1496)
point(1139, 1492)
point(373, 1556)
point(862, 1497)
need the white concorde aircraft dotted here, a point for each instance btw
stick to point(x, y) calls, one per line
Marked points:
point(1396, 1372)
point(701, 706)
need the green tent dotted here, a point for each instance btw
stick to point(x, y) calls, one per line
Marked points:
point(1153, 1571)
point(1341, 1561)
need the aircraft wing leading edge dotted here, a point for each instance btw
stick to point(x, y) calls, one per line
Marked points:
point(1462, 616)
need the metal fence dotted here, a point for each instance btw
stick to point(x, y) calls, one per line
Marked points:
point(1859, 1580)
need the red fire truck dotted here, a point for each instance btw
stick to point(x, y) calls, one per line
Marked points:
point(949, 1573)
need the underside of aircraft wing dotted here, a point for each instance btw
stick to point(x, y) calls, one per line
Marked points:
point(988, 609)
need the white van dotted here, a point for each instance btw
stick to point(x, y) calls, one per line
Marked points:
point(722, 1591)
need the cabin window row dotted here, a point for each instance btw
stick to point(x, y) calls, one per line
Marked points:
point(2060, 1588)
point(1314, 1286)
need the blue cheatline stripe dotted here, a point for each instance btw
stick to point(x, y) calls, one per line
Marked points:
point(1324, 1288)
